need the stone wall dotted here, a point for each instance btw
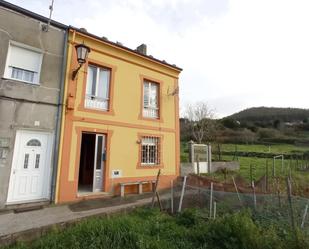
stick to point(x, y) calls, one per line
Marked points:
point(188, 168)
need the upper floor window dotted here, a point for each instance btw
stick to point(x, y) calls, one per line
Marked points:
point(23, 63)
point(97, 89)
point(151, 100)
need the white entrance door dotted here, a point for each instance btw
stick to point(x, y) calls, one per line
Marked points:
point(99, 159)
point(30, 167)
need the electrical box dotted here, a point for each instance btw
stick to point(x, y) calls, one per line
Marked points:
point(116, 173)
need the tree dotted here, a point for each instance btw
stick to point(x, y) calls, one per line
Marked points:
point(201, 121)
point(230, 123)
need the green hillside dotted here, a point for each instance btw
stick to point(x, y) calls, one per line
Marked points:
point(270, 114)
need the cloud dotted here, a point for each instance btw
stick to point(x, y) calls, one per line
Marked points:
point(235, 53)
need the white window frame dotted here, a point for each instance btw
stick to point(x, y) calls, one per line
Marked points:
point(151, 160)
point(91, 98)
point(8, 71)
point(151, 111)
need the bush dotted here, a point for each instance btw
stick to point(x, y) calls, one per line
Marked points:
point(238, 231)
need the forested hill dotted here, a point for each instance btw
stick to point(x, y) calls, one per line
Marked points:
point(269, 114)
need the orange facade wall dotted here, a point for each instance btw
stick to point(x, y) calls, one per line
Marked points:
point(122, 124)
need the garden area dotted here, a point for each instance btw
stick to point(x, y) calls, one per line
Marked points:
point(150, 228)
point(257, 160)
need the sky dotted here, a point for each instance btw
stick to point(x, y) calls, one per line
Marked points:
point(235, 54)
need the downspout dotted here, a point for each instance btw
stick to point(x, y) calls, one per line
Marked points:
point(59, 119)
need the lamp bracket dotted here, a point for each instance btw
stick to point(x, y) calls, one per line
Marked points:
point(74, 74)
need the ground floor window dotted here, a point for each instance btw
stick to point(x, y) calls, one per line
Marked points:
point(150, 147)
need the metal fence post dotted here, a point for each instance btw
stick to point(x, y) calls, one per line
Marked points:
point(182, 193)
point(215, 210)
point(210, 204)
point(304, 216)
point(172, 196)
point(254, 195)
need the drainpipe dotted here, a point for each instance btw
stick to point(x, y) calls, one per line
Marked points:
point(59, 119)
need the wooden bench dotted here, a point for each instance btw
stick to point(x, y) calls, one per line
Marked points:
point(139, 183)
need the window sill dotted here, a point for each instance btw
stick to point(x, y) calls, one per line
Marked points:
point(82, 108)
point(96, 109)
point(149, 166)
point(21, 81)
point(158, 119)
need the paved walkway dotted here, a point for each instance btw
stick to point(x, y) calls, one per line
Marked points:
point(32, 224)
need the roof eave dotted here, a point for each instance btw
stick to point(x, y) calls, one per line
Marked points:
point(126, 49)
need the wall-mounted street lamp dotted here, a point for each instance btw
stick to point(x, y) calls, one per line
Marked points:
point(82, 52)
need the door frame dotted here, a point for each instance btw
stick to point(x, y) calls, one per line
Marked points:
point(47, 171)
point(107, 135)
point(102, 170)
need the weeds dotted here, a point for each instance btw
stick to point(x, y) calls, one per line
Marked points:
point(146, 228)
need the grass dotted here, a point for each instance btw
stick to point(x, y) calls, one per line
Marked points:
point(258, 164)
point(258, 168)
point(146, 228)
point(278, 148)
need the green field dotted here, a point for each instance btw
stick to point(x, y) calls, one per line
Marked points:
point(258, 164)
point(278, 148)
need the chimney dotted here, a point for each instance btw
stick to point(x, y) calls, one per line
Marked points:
point(83, 30)
point(142, 49)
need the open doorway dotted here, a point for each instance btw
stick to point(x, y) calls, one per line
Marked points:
point(91, 166)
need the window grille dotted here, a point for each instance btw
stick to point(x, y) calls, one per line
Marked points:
point(150, 150)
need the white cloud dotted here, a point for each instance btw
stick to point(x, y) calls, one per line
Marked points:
point(235, 54)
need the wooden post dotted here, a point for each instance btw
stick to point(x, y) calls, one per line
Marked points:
point(236, 189)
point(182, 193)
point(159, 201)
point(304, 216)
point(210, 202)
point(172, 196)
point(274, 170)
point(156, 187)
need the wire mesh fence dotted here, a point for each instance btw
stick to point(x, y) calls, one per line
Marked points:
point(271, 209)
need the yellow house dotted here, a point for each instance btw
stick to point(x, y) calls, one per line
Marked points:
point(120, 124)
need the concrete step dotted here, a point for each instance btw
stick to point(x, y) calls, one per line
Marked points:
point(24, 207)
